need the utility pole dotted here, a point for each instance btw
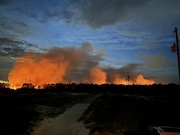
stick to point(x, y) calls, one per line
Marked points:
point(177, 50)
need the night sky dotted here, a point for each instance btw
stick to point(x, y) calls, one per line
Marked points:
point(124, 36)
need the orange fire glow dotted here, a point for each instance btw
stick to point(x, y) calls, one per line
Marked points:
point(63, 66)
point(98, 76)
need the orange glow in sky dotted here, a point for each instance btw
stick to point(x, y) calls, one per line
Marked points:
point(64, 66)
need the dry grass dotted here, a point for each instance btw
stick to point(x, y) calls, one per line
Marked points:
point(116, 114)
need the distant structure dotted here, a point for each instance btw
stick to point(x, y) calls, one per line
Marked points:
point(128, 77)
point(175, 48)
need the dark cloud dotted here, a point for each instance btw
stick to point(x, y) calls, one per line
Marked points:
point(69, 12)
point(12, 28)
point(98, 13)
point(14, 48)
point(161, 13)
point(4, 2)
point(95, 13)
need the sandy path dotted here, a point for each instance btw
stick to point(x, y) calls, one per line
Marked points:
point(66, 124)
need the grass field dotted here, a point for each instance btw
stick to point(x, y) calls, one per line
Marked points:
point(136, 114)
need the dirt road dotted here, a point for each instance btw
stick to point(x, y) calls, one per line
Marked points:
point(66, 124)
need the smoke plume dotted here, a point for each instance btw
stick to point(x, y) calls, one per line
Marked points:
point(66, 65)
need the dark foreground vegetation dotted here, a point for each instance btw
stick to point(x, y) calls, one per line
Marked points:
point(121, 109)
point(22, 110)
point(134, 112)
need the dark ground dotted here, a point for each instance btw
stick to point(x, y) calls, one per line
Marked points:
point(121, 109)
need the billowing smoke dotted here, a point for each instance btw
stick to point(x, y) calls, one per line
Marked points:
point(67, 65)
